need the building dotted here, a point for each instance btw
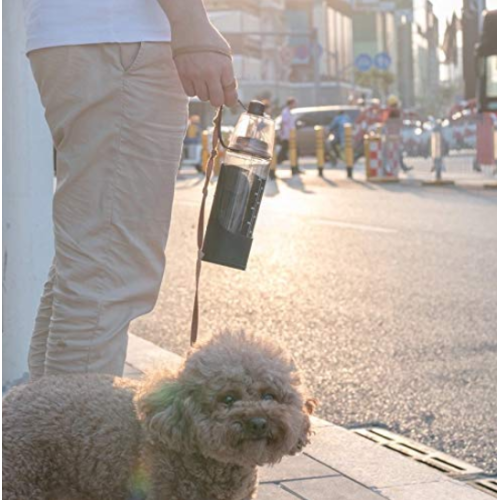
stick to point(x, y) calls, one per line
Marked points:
point(289, 47)
point(375, 31)
point(425, 45)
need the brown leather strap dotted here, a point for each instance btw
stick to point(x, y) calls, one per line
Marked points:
point(201, 221)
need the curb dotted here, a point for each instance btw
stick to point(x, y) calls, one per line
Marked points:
point(339, 458)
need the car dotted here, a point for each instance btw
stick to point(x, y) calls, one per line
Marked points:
point(416, 137)
point(307, 118)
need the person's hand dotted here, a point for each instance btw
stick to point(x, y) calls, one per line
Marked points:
point(208, 75)
point(204, 63)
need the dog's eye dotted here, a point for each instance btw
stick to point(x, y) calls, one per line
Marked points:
point(267, 396)
point(229, 399)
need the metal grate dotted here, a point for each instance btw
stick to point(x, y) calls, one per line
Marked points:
point(452, 467)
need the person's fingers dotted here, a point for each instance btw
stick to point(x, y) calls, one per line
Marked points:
point(215, 90)
point(188, 86)
point(230, 85)
point(201, 90)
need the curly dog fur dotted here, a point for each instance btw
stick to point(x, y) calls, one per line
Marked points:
point(236, 403)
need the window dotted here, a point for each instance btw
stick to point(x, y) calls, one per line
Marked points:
point(491, 77)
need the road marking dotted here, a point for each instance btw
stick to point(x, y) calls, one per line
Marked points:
point(350, 225)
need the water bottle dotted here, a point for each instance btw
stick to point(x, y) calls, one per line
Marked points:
point(240, 188)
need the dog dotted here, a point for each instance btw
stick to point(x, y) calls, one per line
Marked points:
point(236, 403)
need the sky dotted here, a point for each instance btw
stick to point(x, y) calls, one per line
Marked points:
point(444, 10)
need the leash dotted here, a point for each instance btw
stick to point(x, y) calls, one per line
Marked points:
point(216, 140)
point(201, 220)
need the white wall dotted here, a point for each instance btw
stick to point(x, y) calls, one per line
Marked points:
point(27, 196)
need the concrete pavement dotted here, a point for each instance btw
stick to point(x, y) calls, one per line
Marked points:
point(386, 295)
point(337, 465)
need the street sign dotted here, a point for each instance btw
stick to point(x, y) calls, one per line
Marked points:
point(302, 54)
point(363, 62)
point(382, 61)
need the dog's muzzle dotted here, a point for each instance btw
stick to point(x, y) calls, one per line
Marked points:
point(257, 427)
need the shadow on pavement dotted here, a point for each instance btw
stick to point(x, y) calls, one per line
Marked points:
point(296, 182)
point(272, 188)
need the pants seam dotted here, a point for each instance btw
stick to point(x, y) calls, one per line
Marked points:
point(112, 196)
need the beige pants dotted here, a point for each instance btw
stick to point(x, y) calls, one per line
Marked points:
point(117, 114)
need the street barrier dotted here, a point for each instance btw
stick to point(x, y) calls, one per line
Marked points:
point(437, 154)
point(373, 156)
point(382, 156)
point(205, 153)
point(391, 149)
point(349, 149)
point(391, 157)
point(272, 168)
point(292, 151)
point(320, 148)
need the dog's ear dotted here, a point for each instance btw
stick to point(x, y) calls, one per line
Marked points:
point(165, 408)
point(305, 432)
point(310, 405)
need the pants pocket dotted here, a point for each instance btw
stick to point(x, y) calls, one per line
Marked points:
point(130, 53)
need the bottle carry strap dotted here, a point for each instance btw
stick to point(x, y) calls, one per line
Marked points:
point(216, 140)
point(216, 137)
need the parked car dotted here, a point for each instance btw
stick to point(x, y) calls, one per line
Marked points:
point(307, 118)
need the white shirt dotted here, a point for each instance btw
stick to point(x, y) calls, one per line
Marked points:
point(287, 123)
point(51, 23)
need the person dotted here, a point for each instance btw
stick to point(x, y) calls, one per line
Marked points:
point(392, 118)
point(114, 79)
point(287, 124)
point(336, 127)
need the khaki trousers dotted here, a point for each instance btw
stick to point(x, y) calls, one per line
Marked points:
point(118, 115)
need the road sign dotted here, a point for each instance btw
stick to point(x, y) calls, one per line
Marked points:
point(363, 62)
point(382, 61)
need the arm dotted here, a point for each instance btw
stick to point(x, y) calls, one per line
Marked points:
point(201, 54)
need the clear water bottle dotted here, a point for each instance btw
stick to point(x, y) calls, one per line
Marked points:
point(240, 188)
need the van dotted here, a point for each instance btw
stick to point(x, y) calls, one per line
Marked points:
point(307, 118)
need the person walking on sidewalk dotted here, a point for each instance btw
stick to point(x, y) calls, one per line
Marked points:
point(392, 119)
point(287, 124)
point(114, 79)
point(336, 127)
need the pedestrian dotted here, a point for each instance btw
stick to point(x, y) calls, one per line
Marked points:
point(287, 124)
point(393, 116)
point(113, 78)
point(336, 128)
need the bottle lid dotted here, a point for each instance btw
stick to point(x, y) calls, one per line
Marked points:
point(256, 108)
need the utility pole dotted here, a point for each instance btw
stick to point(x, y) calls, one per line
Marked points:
point(27, 198)
point(316, 68)
point(317, 16)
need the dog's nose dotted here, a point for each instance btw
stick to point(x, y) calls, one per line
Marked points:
point(257, 425)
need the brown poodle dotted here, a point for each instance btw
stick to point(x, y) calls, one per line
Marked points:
point(236, 403)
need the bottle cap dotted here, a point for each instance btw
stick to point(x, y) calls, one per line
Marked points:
point(256, 108)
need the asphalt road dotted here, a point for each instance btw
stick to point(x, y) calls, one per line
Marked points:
point(386, 294)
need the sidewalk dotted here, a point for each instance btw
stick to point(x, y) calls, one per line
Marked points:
point(419, 176)
point(337, 465)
